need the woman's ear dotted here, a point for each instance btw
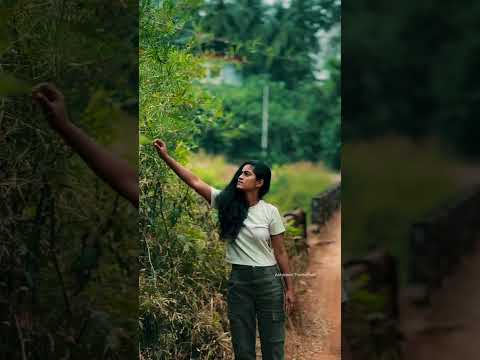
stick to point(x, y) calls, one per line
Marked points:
point(259, 183)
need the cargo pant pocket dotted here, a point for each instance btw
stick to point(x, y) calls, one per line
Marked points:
point(241, 315)
point(272, 335)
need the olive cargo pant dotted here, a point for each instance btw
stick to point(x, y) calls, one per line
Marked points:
point(256, 292)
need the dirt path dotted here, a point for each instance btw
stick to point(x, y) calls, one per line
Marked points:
point(450, 328)
point(319, 297)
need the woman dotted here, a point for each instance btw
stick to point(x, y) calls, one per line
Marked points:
point(254, 231)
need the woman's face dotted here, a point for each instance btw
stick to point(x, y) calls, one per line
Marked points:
point(247, 181)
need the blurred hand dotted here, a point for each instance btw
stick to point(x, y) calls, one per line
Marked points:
point(161, 148)
point(52, 102)
point(289, 301)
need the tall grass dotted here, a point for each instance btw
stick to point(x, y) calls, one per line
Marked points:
point(388, 184)
point(67, 240)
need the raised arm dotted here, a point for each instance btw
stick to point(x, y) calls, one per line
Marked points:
point(112, 169)
point(183, 173)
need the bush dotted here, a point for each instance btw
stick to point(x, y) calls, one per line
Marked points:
point(182, 310)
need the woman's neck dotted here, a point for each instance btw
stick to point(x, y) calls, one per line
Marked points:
point(252, 198)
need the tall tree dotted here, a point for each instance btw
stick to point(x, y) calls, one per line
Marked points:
point(233, 24)
point(294, 38)
point(278, 40)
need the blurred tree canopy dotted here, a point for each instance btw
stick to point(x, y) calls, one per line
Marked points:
point(305, 122)
point(415, 77)
point(273, 39)
point(278, 46)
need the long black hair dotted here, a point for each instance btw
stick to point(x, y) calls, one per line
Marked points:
point(232, 203)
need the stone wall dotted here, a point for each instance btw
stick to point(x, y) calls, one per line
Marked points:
point(439, 241)
point(325, 204)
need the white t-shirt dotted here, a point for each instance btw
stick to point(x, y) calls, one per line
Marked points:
point(253, 245)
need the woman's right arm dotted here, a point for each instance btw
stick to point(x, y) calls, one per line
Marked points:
point(183, 173)
point(114, 170)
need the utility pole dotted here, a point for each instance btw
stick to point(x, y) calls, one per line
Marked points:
point(265, 122)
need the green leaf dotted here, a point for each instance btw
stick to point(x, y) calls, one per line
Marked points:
point(10, 85)
point(145, 140)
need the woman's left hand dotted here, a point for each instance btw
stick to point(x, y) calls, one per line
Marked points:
point(289, 300)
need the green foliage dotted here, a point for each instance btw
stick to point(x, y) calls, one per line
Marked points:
point(323, 129)
point(304, 124)
point(278, 46)
point(182, 310)
point(275, 40)
point(66, 238)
